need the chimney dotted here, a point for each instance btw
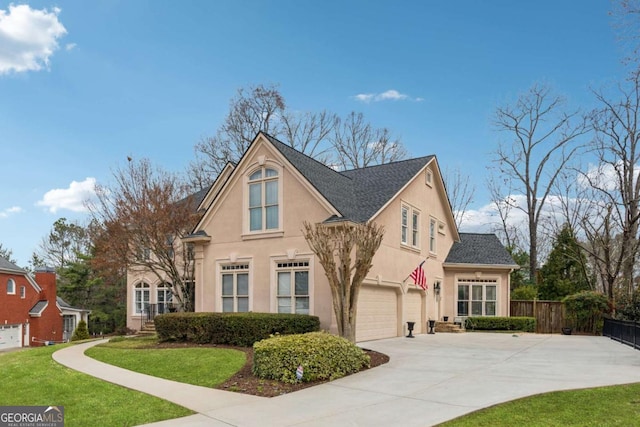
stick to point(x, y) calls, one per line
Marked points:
point(46, 279)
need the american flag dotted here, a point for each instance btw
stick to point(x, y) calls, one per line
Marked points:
point(418, 276)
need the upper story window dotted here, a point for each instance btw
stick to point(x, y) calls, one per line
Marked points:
point(11, 287)
point(410, 227)
point(263, 200)
point(432, 235)
point(428, 177)
point(23, 292)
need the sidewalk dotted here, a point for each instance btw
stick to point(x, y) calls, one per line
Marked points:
point(429, 380)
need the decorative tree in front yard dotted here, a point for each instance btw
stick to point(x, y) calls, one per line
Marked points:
point(345, 251)
point(143, 217)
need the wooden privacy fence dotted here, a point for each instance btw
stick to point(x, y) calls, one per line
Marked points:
point(549, 315)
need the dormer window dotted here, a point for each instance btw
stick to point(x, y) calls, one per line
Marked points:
point(263, 200)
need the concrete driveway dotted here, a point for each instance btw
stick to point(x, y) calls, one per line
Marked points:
point(430, 379)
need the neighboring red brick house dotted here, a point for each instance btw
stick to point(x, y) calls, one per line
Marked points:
point(29, 313)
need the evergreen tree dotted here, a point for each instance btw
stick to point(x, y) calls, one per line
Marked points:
point(565, 272)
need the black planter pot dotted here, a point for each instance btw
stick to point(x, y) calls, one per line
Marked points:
point(410, 326)
point(566, 331)
point(432, 325)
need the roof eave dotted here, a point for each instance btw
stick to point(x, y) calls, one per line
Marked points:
point(483, 266)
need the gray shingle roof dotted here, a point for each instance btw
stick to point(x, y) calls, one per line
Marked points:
point(477, 248)
point(37, 309)
point(358, 193)
point(6, 265)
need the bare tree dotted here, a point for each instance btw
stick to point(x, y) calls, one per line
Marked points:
point(259, 108)
point(617, 146)
point(542, 141)
point(501, 197)
point(308, 132)
point(144, 215)
point(626, 22)
point(358, 144)
point(345, 252)
point(460, 190)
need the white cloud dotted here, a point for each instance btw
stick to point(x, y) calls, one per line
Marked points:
point(28, 38)
point(72, 198)
point(389, 95)
point(70, 46)
point(10, 211)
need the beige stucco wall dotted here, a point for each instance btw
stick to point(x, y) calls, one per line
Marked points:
point(452, 274)
point(229, 241)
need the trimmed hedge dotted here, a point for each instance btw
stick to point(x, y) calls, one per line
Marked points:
point(321, 355)
point(241, 329)
point(525, 324)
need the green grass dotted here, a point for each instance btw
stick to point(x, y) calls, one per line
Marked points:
point(203, 366)
point(32, 378)
point(602, 406)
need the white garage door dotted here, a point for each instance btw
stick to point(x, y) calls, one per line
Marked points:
point(377, 314)
point(10, 336)
point(414, 311)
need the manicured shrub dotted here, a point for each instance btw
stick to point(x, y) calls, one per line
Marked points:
point(242, 329)
point(321, 355)
point(81, 332)
point(524, 324)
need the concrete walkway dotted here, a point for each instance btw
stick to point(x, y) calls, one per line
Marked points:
point(430, 379)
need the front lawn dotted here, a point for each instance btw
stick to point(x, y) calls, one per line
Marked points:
point(203, 366)
point(32, 378)
point(601, 406)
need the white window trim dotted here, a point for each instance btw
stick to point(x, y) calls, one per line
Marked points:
point(433, 248)
point(139, 288)
point(218, 281)
point(23, 292)
point(13, 287)
point(272, 232)
point(428, 177)
point(273, 290)
point(411, 211)
point(484, 281)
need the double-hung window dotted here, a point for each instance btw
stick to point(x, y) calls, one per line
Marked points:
point(263, 200)
point(293, 287)
point(477, 297)
point(235, 288)
point(410, 227)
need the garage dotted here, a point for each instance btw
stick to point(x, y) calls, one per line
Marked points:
point(10, 336)
point(414, 311)
point(377, 313)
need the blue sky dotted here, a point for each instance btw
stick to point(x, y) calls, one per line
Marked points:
point(84, 84)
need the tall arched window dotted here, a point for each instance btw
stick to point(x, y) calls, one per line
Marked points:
point(11, 287)
point(141, 298)
point(263, 200)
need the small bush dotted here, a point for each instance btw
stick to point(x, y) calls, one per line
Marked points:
point(524, 293)
point(241, 329)
point(321, 355)
point(81, 332)
point(524, 324)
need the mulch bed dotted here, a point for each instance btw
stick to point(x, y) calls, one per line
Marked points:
point(245, 382)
